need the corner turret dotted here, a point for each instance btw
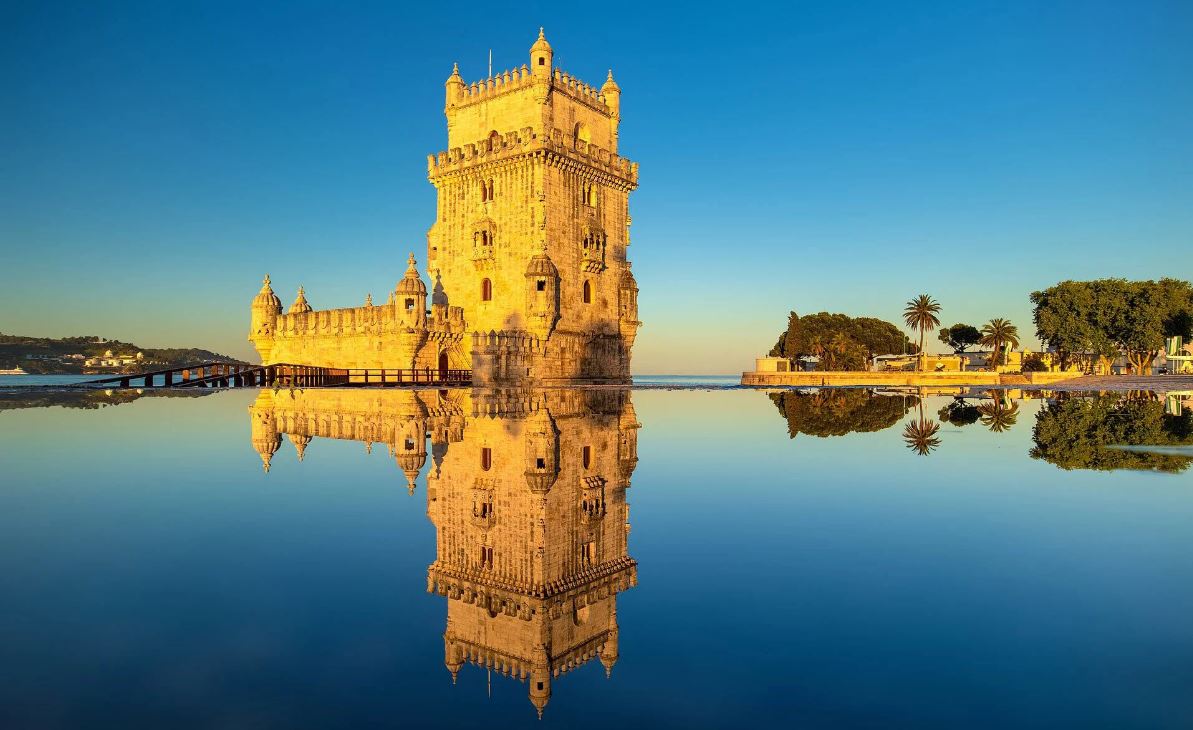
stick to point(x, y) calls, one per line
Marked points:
point(410, 302)
point(609, 648)
point(454, 87)
point(540, 683)
point(540, 56)
point(410, 451)
point(263, 429)
point(453, 658)
point(542, 295)
point(263, 319)
point(300, 444)
point(410, 295)
point(628, 306)
point(542, 453)
point(611, 94)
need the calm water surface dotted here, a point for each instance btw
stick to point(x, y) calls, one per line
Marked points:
point(21, 381)
point(695, 558)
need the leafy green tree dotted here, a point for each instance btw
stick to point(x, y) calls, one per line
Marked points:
point(1033, 363)
point(1063, 319)
point(1085, 320)
point(995, 334)
point(920, 314)
point(841, 342)
point(959, 337)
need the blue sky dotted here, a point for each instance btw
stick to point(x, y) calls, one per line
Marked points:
point(156, 159)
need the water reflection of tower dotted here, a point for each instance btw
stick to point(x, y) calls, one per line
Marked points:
point(531, 526)
point(526, 490)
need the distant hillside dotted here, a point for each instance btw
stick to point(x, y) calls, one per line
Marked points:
point(45, 355)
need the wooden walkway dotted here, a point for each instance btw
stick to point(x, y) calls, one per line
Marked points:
point(229, 375)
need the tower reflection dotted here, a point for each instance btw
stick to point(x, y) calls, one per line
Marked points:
point(527, 492)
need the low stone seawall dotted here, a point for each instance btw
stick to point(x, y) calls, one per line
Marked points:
point(1069, 381)
point(891, 378)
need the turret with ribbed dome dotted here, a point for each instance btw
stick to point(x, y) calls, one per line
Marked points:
point(300, 442)
point(542, 295)
point(609, 650)
point(264, 312)
point(542, 452)
point(411, 283)
point(611, 92)
point(263, 428)
point(540, 56)
point(300, 305)
point(627, 300)
point(410, 298)
point(454, 86)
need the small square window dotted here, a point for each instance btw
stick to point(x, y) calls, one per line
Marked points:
point(542, 285)
point(540, 463)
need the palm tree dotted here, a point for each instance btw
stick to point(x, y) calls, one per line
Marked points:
point(920, 314)
point(999, 416)
point(818, 349)
point(838, 346)
point(996, 333)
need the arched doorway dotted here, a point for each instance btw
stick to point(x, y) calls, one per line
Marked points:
point(443, 365)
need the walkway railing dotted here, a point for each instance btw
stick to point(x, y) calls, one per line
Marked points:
point(233, 375)
point(412, 376)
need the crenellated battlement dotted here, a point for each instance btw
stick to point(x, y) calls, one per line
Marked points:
point(386, 318)
point(580, 91)
point(524, 142)
point(521, 78)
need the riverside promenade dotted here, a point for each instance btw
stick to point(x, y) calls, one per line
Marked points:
point(1058, 381)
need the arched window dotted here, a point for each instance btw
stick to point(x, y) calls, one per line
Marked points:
point(486, 458)
point(484, 192)
point(487, 290)
point(586, 456)
point(489, 190)
point(587, 292)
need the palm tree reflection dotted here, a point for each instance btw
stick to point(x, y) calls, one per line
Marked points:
point(999, 416)
point(920, 434)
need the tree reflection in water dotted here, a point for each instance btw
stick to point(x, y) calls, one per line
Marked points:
point(999, 415)
point(1081, 433)
point(825, 413)
point(920, 434)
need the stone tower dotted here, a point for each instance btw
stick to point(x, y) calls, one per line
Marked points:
point(532, 225)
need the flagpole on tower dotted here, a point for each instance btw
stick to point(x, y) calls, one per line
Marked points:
point(490, 63)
